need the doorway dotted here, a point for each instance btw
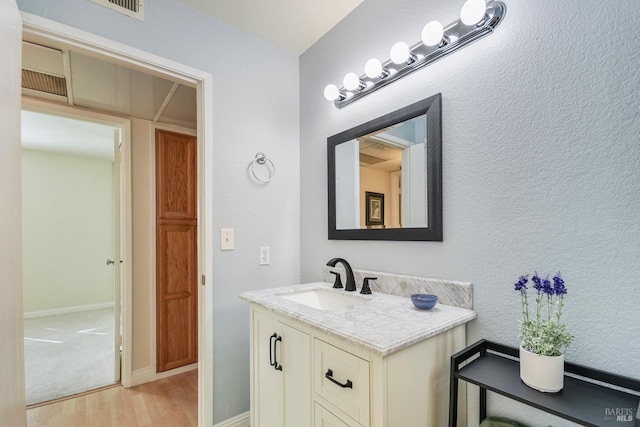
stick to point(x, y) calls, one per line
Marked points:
point(47, 32)
point(71, 253)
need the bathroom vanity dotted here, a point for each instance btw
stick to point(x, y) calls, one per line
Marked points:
point(325, 357)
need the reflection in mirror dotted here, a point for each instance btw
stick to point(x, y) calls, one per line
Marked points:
point(385, 177)
point(390, 162)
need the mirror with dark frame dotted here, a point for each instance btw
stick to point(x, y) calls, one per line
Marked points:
point(385, 176)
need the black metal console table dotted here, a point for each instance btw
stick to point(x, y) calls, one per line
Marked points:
point(583, 401)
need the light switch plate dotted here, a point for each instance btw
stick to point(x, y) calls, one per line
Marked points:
point(265, 255)
point(227, 241)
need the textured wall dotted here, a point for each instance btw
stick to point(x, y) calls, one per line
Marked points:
point(255, 108)
point(541, 163)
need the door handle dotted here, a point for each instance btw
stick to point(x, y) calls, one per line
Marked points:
point(277, 366)
point(273, 345)
point(110, 261)
point(271, 348)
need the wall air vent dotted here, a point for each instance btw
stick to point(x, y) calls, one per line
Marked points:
point(42, 82)
point(132, 8)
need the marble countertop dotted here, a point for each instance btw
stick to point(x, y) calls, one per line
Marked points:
point(383, 323)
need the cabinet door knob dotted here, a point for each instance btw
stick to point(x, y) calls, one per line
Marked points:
point(329, 376)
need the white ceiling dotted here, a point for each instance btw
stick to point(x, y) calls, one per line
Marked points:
point(293, 25)
point(101, 86)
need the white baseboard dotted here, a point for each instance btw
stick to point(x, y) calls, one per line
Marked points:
point(67, 310)
point(149, 374)
point(241, 420)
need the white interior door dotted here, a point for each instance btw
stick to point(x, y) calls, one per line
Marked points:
point(117, 255)
point(414, 186)
point(348, 192)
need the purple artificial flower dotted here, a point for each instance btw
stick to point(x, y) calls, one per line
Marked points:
point(522, 283)
point(541, 329)
point(537, 282)
point(546, 286)
point(558, 285)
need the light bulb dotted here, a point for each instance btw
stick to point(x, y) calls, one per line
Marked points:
point(351, 81)
point(331, 92)
point(373, 68)
point(400, 53)
point(432, 33)
point(473, 11)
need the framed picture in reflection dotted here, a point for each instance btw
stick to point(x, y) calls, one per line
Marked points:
point(374, 209)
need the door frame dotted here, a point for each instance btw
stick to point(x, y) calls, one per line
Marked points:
point(90, 44)
point(12, 389)
point(124, 124)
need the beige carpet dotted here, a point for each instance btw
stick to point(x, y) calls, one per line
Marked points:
point(68, 354)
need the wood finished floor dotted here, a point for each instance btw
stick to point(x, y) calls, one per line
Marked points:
point(169, 402)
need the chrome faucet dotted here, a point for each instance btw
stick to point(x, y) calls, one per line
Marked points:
point(351, 283)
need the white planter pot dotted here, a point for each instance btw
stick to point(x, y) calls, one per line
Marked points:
point(542, 373)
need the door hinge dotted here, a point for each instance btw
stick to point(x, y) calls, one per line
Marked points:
point(202, 280)
point(119, 343)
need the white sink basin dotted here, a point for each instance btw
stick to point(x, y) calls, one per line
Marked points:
point(322, 299)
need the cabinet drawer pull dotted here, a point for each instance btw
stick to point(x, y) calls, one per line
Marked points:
point(329, 376)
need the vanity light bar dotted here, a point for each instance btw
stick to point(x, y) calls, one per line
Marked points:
point(477, 20)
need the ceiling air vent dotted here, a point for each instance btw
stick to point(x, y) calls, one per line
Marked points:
point(132, 8)
point(42, 82)
point(370, 160)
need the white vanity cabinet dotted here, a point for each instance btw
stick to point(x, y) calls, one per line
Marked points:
point(328, 381)
point(281, 374)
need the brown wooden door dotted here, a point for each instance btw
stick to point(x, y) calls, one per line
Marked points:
point(176, 251)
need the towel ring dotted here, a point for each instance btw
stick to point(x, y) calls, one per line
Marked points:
point(261, 159)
